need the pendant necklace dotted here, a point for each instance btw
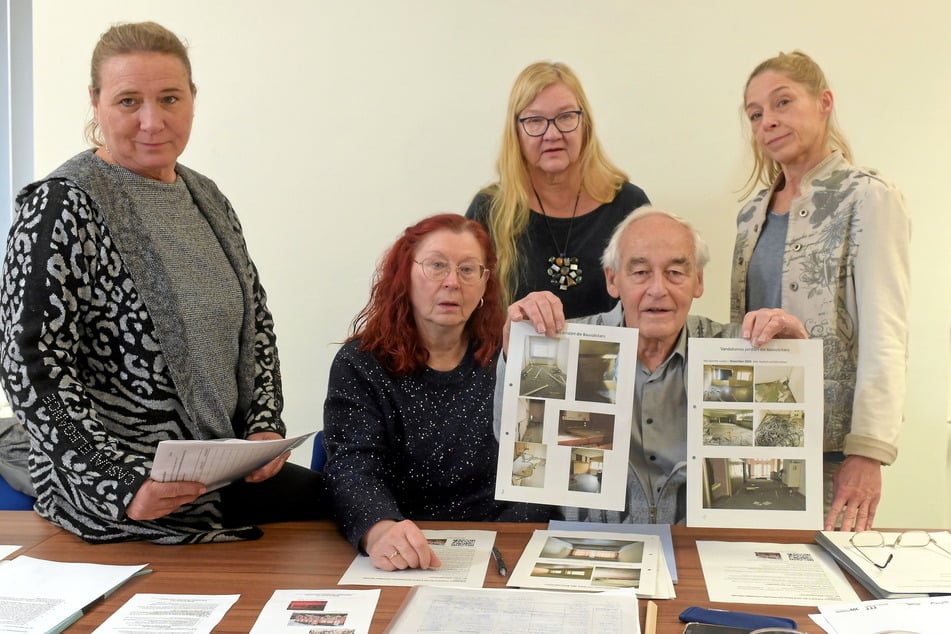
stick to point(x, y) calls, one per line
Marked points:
point(564, 271)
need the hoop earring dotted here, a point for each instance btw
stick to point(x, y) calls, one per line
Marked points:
point(481, 302)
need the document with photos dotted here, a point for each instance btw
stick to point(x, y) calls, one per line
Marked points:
point(754, 434)
point(330, 611)
point(219, 462)
point(502, 611)
point(464, 556)
point(593, 562)
point(566, 416)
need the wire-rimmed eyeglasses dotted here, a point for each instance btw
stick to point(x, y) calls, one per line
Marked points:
point(567, 121)
point(438, 269)
point(906, 539)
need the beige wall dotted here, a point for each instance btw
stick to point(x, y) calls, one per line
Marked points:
point(332, 125)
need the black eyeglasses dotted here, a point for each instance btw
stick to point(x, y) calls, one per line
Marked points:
point(437, 270)
point(567, 121)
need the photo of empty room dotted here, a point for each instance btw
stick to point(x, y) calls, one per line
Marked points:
point(565, 547)
point(529, 419)
point(544, 368)
point(728, 383)
point(585, 429)
point(779, 384)
point(728, 427)
point(781, 428)
point(586, 468)
point(597, 371)
point(754, 483)
point(611, 577)
point(528, 465)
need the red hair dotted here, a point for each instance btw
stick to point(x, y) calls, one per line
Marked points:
point(386, 326)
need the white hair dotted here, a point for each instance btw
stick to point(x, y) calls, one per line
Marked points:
point(611, 258)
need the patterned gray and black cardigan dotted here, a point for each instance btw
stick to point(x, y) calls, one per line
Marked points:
point(93, 360)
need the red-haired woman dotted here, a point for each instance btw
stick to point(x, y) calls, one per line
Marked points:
point(408, 416)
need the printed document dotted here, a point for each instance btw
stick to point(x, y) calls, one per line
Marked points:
point(428, 609)
point(593, 562)
point(778, 574)
point(566, 416)
point(464, 556)
point(216, 463)
point(928, 615)
point(180, 613)
point(754, 434)
point(43, 596)
point(331, 611)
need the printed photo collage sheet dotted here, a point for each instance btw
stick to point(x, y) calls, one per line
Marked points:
point(566, 416)
point(754, 442)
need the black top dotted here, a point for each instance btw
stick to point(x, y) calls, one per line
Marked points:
point(419, 447)
point(589, 235)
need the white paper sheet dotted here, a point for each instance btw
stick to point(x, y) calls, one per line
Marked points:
point(325, 611)
point(566, 416)
point(40, 595)
point(216, 463)
point(754, 434)
point(464, 556)
point(8, 549)
point(179, 613)
point(921, 616)
point(593, 562)
point(778, 574)
point(502, 611)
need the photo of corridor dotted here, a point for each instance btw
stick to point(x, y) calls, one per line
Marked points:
point(728, 383)
point(728, 427)
point(544, 368)
point(597, 371)
point(754, 483)
point(529, 419)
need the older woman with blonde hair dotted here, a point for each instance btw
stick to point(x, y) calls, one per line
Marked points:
point(558, 197)
point(828, 242)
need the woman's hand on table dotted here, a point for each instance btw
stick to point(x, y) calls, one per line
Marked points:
point(394, 545)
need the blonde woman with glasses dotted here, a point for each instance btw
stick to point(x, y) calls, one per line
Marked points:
point(558, 197)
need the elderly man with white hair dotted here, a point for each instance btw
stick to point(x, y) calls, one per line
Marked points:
point(654, 264)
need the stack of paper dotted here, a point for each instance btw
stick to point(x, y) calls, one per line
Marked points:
point(661, 530)
point(912, 571)
point(922, 616)
point(47, 596)
point(593, 562)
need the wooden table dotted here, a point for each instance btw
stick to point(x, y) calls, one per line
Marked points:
point(313, 555)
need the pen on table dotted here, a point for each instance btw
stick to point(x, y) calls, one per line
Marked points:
point(499, 562)
point(650, 619)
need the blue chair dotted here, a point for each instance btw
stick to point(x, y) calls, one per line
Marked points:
point(319, 456)
point(13, 500)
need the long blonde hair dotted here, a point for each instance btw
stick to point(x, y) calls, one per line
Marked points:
point(803, 70)
point(509, 211)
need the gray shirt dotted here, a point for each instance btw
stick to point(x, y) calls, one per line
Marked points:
point(764, 281)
